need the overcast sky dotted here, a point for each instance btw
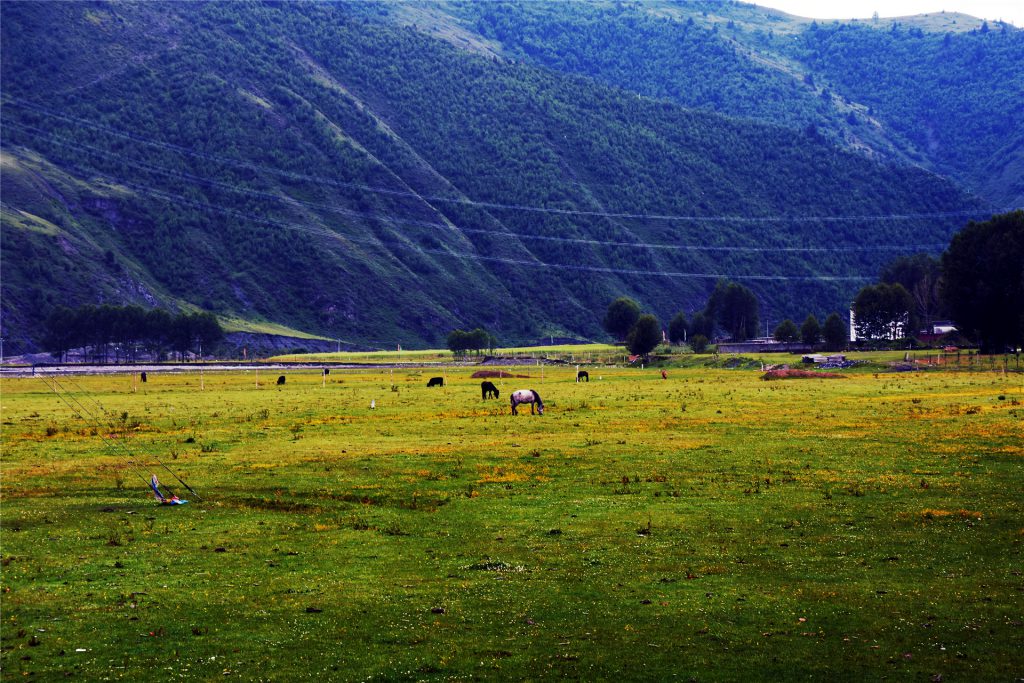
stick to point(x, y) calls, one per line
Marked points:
point(1010, 11)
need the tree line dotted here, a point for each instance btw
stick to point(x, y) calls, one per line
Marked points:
point(978, 283)
point(731, 310)
point(122, 333)
point(460, 342)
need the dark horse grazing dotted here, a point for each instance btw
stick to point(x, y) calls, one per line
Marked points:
point(582, 376)
point(436, 382)
point(488, 389)
point(527, 396)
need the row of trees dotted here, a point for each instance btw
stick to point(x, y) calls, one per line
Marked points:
point(979, 283)
point(121, 332)
point(832, 333)
point(461, 342)
point(732, 309)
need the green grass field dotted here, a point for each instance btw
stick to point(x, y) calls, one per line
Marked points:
point(712, 526)
point(583, 353)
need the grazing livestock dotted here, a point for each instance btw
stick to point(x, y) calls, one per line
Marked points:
point(527, 396)
point(280, 380)
point(143, 376)
point(436, 382)
point(582, 376)
point(327, 371)
point(488, 389)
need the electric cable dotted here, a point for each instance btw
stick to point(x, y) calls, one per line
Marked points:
point(188, 177)
point(86, 415)
point(239, 163)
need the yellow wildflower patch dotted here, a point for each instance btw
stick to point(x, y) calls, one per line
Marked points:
point(500, 475)
point(929, 513)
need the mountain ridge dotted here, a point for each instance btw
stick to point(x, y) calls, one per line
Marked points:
point(655, 48)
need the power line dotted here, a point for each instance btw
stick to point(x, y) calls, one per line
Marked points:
point(188, 177)
point(239, 163)
point(89, 149)
point(115, 446)
point(324, 232)
point(536, 263)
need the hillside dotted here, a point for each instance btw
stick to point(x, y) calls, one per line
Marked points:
point(944, 91)
point(957, 98)
point(325, 168)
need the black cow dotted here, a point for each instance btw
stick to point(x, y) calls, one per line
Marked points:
point(488, 390)
point(280, 380)
point(327, 371)
point(143, 378)
point(436, 382)
point(582, 376)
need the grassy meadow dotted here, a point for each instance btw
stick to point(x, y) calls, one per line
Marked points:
point(583, 353)
point(711, 526)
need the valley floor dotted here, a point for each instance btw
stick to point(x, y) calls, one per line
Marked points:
point(708, 526)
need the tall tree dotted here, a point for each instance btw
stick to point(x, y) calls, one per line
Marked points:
point(644, 336)
point(103, 325)
point(207, 331)
point(198, 332)
point(158, 329)
point(786, 331)
point(920, 275)
point(883, 311)
point(703, 325)
point(620, 317)
point(834, 332)
point(129, 330)
point(810, 331)
point(734, 309)
point(678, 328)
point(983, 281)
point(480, 339)
point(458, 341)
point(60, 331)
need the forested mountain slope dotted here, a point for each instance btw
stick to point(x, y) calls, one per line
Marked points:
point(943, 91)
point(958, 98)
point(322, 167)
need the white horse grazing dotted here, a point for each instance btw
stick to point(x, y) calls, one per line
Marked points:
point(527, 396)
